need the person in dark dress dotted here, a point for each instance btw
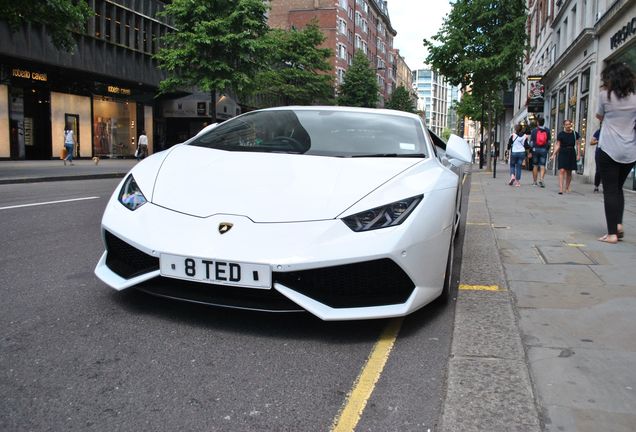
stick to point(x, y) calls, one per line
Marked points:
point(567, 153)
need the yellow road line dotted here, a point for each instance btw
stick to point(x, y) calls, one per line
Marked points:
point(480, 288)
point(477, 223)
point(576, 244)
point(349, 416)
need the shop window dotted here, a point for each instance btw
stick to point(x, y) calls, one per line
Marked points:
point(553, 116)
point(561, 109)
point(114, 127)
point(573, 88)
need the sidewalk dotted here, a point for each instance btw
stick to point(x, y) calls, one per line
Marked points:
point(545, 334)
point(54, 170)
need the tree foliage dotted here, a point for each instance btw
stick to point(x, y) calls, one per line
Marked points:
point(296, 70)
point(480, 45)
point(481, 48)
point(61, 18)
point(217, 45)
point(360, 87)
point(401, 100)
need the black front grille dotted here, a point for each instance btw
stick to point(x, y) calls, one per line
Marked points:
point(219, 295)
point(370, 283)
point(126, 260)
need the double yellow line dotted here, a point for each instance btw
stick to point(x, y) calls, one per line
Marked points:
point(349, 416)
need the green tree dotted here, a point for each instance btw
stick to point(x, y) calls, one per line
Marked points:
point(217, 45)
point(401, 100)
point(480, 47)
point(60, 18)
point(297, 70)
point(360, 87)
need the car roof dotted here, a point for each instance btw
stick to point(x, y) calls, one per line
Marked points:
point(344, 109)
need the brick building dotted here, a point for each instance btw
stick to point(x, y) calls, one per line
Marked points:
point(349, 25)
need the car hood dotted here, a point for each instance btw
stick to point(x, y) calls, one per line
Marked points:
point(268, 187)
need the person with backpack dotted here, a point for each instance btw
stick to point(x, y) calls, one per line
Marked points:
point(517, 144)
point(540, 143)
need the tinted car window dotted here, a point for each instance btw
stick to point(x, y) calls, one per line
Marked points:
point(319, 132)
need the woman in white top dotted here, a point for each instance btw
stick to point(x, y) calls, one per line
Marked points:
point(617, 143)
point(517, 145)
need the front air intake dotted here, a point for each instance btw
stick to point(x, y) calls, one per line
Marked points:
point(126, 260)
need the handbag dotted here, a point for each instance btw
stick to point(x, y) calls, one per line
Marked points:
point(63, 153)
point(137, 152)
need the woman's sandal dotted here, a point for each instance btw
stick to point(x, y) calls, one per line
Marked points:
point(620, 235)
point(605, 239)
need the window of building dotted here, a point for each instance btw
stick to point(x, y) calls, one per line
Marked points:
point(342, 26)
point(344, 4)
point(118, 26)
point(340, 74)
point(342, 51)
point(574, 32)
point(108, 11)
point(585, 81)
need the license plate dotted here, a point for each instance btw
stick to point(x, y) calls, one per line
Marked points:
point(215, 271)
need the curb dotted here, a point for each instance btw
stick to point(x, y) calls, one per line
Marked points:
point(489, 384)
point(21, 180)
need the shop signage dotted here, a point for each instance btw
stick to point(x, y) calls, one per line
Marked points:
point(119, 90)
point(535, 94)
point(623, 34)
point(27, 74)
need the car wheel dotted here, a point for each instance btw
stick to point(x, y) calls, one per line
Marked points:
point(448, 276)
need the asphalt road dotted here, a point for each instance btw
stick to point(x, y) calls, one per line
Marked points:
point(76, 355)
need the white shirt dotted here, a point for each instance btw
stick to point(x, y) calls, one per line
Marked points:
point(618, 134)
point(143, 140)
point(517, 143)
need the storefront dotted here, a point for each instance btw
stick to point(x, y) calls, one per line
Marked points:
point(37, 104)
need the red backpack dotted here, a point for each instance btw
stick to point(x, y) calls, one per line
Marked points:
point(542, 137)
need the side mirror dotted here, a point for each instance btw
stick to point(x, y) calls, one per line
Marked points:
point(458, 151)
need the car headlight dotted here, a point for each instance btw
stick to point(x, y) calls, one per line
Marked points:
point(130, 195)
point(384, 216)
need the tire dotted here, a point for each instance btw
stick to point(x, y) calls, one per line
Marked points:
point(448, 275)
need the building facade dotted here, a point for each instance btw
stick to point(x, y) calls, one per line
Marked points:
point(570, 43)
point(433, 98)
point(349, 25)
point(104, 90)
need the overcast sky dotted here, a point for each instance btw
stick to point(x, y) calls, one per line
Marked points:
point(415, 20)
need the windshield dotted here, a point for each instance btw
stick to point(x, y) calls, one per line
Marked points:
point(319, 132)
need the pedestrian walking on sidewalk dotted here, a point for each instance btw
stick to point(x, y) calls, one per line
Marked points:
point(540, 144)
point(617, 142)
point(69, 144)
point(517, 144)
point(567, 152)
point(142, 143)
point(597, 173)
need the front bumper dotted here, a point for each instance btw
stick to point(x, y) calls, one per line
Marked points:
point(320, 266)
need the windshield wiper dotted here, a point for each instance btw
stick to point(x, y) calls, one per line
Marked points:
point(400, 155)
